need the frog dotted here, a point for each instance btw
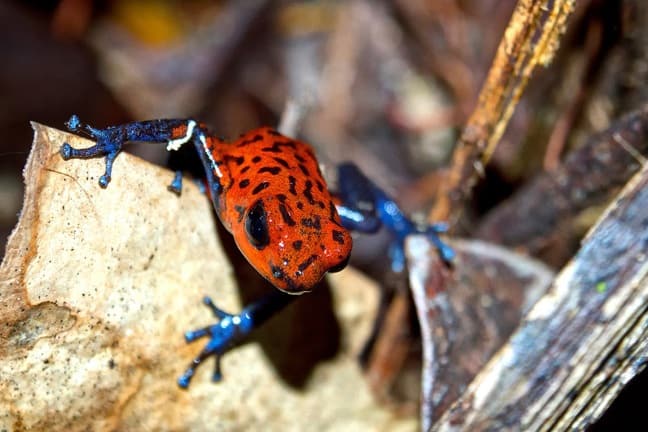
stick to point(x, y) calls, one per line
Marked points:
point(268, 191)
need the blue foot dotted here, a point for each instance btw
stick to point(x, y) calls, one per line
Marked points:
point(201, 186)
point(176, 184)
point(396, 255)
point(109, 144)
point(396, 250)
point(446, 252)
point(223, 335)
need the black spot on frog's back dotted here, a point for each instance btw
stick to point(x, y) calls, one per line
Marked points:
point(276, 146)
point(254, 139)
point(312, 222)
point(261, 186)
point(281, 162)
point(338, 236)
point(274, 170)
point(305, 264)
point(237, 160)
point(308, 192)
point(285, 215)
point(292, 185)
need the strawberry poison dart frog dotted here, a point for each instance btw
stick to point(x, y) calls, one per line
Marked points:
point(268, 191)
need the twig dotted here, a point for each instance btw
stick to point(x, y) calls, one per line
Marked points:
point(531, 39)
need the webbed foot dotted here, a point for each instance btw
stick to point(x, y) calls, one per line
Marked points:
point(109, 144)
point(223, 335)
point(446, 252)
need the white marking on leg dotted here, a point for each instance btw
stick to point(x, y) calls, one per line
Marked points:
point(214, 166)
point(175, 144)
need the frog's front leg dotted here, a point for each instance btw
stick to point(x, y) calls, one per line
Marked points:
point(364, 207)
point(109, 141)
point(230, 330)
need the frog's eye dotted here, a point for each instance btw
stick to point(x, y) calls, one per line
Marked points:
point(256, 226)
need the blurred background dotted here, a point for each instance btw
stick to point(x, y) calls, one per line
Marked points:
point(387, 84)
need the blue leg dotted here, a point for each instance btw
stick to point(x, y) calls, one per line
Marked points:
point(173, 132)
point(176, 183)
point(365, 208)
point(230, 330)
point(432, 232)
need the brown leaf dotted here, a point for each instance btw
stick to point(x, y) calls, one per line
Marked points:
point(468, 313)
point(96, 289)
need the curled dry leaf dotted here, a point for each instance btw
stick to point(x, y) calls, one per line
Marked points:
point(467, 314)
point(96, 288)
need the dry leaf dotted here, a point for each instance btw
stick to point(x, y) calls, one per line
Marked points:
point(97, 287)
point(467, 314)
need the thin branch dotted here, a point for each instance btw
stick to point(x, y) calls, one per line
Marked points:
point(531, 39)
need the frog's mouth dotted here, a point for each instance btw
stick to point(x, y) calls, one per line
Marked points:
point(287, 284)
point(339, 267)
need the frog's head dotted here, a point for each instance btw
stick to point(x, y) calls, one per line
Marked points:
point(292, 243)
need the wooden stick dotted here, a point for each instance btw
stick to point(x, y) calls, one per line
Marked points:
point(531, 39)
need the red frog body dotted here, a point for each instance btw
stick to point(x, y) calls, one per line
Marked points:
point(275, 202)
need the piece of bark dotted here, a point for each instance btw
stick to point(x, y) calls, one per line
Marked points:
point(468, 313)
point(96, 289)
point(543, 218)
point(580, 343)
